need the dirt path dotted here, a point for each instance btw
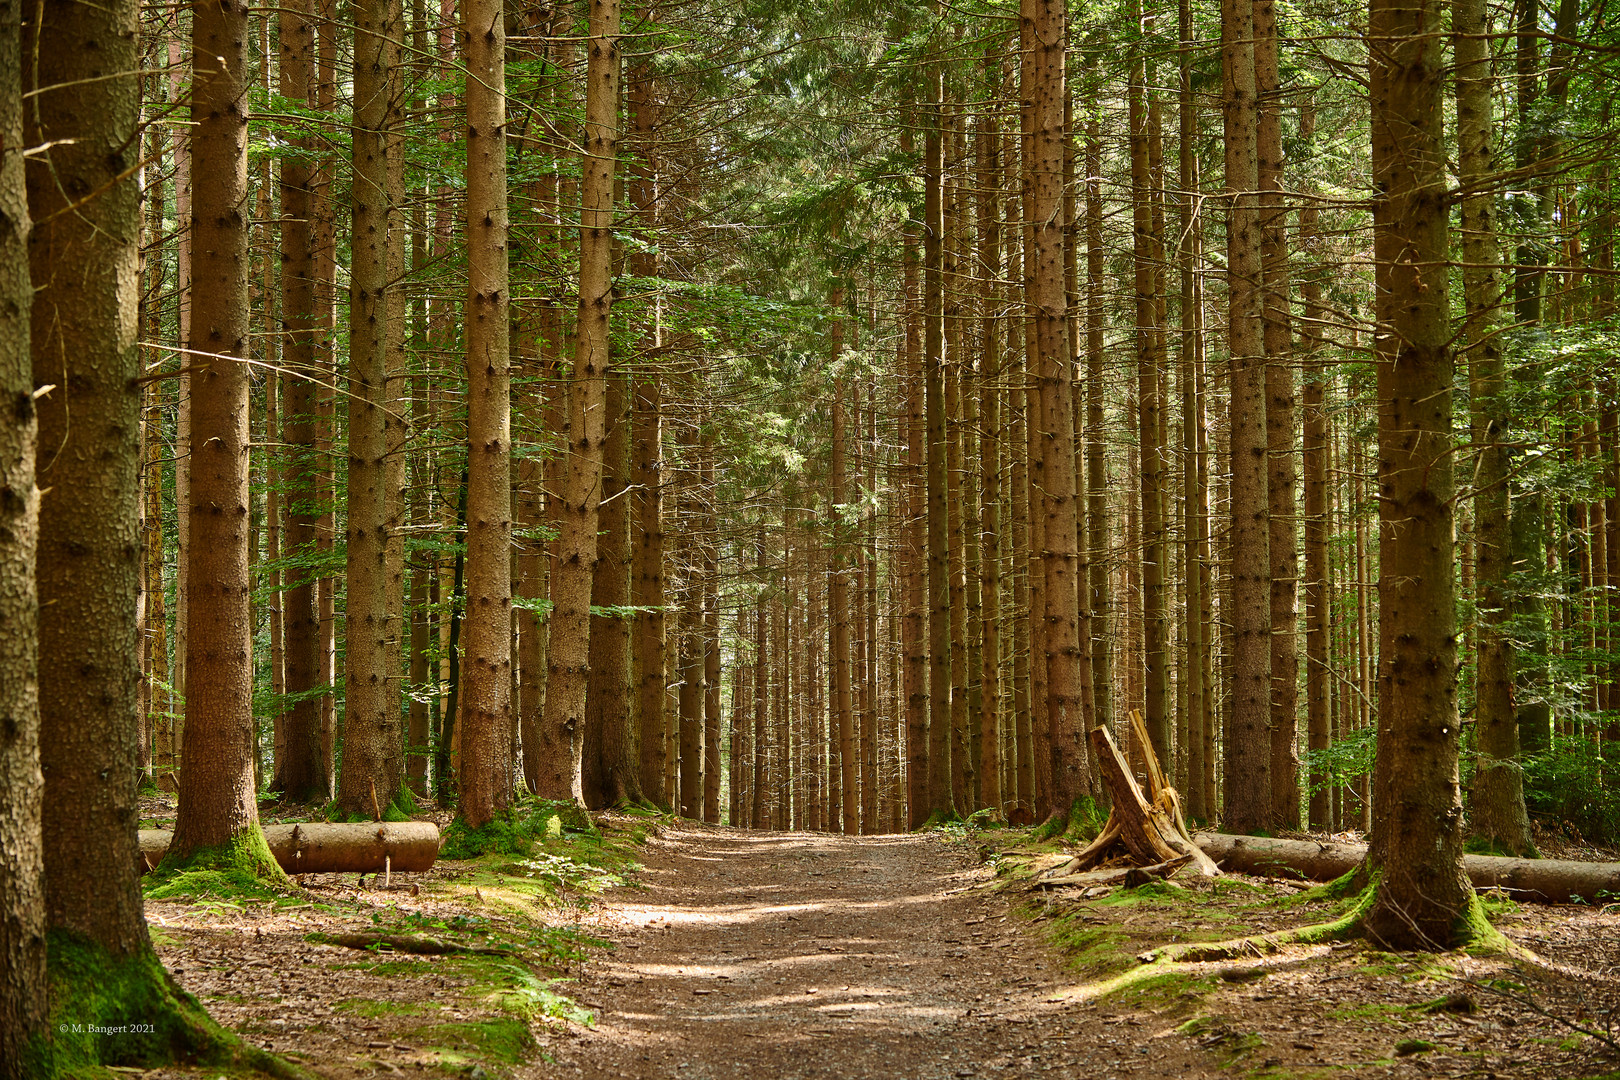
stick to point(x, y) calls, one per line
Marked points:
point(783, 955)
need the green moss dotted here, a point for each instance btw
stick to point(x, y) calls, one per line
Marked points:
point(127, 1012)
point(1086, 821)
point(1413, 1046)
point(208, 884)
point(1475, 933)
point(1093, 950)
point(1491, 845)
point(370, 1008)
point(517, 831)
point(242, 863)
point(505, 1040)
point(1158, 992)
point(939, 819)
point(1151, 892)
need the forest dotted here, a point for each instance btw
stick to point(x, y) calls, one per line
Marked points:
point(543, 456)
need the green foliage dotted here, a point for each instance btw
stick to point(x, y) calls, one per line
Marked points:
point(515, 832)
point(1572, 784)
point(1343, 762)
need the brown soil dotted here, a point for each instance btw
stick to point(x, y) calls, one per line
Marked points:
point(787, 955)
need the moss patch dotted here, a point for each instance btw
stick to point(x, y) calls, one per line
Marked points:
point(243, 862)
point(127, 1012)
point(371, 1008)
point(507, 1041)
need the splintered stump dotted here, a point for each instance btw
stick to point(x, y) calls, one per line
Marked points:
point(362, 847)
point(1147, 831)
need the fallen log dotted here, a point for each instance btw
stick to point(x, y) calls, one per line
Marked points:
point(1543, 881)
point(415, 944)
point(362, 847)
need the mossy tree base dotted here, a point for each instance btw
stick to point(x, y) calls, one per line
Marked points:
point(245, 860)
point(1361, 918)
point(128, 1012)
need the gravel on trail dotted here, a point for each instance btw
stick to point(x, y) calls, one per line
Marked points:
point(775, 956)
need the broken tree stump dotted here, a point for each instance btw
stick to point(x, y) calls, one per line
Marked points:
point(321, 847)
point(1149, 829)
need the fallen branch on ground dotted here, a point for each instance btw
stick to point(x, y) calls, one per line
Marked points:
point(1547, 881)
point(415, 944)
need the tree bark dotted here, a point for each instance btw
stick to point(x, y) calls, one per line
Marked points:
point(1150, 453)
point(217, 768)
point(1042, 26)
point(1248, 743)
point(24, 994)
point(1497, 797)
point(940, 800)
point(1277, 335)
point(582, 487)
point(1417, 803)
point(373, 747)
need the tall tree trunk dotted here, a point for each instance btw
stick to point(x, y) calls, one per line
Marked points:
point(373, 758)
point(485, 693)
point(1192, 501)
point(1314, 458)
point(646, 507)
point(1277, 336)
point(582, 487)
point(987, 149)
point(1248, 743)
point(838, 581)
point(711, 639)
point(1099, 603)
point(763, 800)
point(913, 635)
point(1417, 804)
point(1497, 803)
point(1150, 455)
point(24, 994)
point(611, 769)
point(1042, 27)
point(302, 766)
point(218, 804)
point(940, 800)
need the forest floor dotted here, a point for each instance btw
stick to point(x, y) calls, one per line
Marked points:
point(653, 950)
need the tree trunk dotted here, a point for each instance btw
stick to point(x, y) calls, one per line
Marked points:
point(217, 769)
point(1043, 81)
point(1248, 743)
point(1277, 334)
point(301, 765)
point(646, 476)
point(1417, 804)
point(838, 584)
point(582, 487)
point(612, 757)
point(1150, 454)
point(1314, 458)
point(935, 515)
point(1497, 796)
point(24, 994)
point(372, 744)
point(987, 148)
point(1192, 501)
